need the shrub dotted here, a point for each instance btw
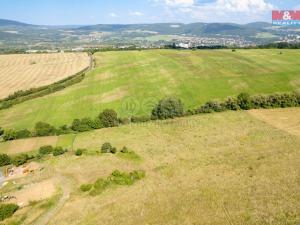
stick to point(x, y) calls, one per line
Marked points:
point(113, 150)
point(86, 187)
point(9, 135)
point(168, 108)
point(140, 119)
point(79, 152)
point(20, 159)
point(211, 106)
point(244, 101)
point(58, 151)
point(23, 134)
point(124, 121)
point(1, 131)
point(45, 150)
point(4, 160)
point(44, 129)
point(109, 118)
point(124, 150)
point(106, 148)
point(232, 104)
point(82, 125)
point(7, 210)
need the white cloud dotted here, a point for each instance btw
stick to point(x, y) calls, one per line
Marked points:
point(218, 10)
point(136, 14)
point(113, 14)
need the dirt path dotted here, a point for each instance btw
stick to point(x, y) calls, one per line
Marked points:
point(65, 184)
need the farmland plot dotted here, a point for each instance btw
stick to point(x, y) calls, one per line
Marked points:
point(22, 72)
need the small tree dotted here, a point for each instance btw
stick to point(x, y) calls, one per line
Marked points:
point(79, 152)
point(58, 151)
point(4, 160)
point(1, 131)
point(10, 135)
point(106, 148)
point(168, 108)
point(20, 159)
point(244, 101)
point(44, 129)
point(46, 150)
point(109, 118)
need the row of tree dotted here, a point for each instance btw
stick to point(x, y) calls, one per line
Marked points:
point(165, 109)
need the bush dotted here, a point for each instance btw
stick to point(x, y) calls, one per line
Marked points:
point(85, 124)
point(44, 129)
point(10, 135)
point(211, 106)
point(106, 148)
point(140, 119)
point(109, 118)
point(7, 210)
point(58, 151)
point(20, 159)
point(113, 150)
point(86, 187)
point(124, 121)
point(168, 108)
point(244, 101)
point(46, 150)
point(124, 150)
point(1, 131)
point(79, 152)
point(23, 134)
point(232, 104)
point(4, 160)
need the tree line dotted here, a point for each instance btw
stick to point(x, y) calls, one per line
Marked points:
point(165, 109)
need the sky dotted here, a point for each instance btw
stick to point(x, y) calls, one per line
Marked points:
point(84, 12)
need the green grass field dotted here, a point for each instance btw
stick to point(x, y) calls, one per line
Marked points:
point(223, 168)
point(131, 82)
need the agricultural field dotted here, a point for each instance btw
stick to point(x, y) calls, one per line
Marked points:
point(224, 168)
point(25, 71)
point(131, 82)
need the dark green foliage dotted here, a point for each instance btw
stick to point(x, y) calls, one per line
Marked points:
point(20, 159)
point(140, 119)
point(244, 101)
point(124, 150)
point(58, 151)
point(9, 135)
point(113, 150)
point(63, 130)
point(211, 106)
point(106, 148)
point(23, 134)
point(168, 108)
point(82, 125)
point(1, 131)
point(116, 178)
point(232, 104)
point(7, 210)
point(4, 160)
point(46, 150)
point(44, 129)
point(109, 118)
point(79, 152)
point(86, 187)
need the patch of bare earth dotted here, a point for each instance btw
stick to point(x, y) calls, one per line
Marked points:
point(284, 119)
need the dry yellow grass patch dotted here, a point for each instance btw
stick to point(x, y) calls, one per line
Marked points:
point(22, 72)
point(26, 145)
point(284, 119)
point(35, 192)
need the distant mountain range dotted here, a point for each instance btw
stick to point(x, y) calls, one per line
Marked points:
point(14, 34)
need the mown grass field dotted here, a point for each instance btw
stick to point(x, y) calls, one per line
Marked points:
point(131, 82)
point(25, 71)
point(223, 168)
